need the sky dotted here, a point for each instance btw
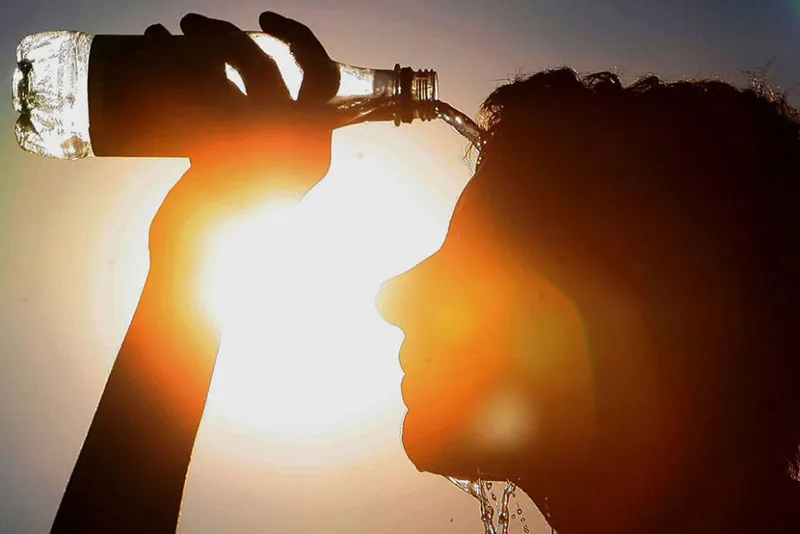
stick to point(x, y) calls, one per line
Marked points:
point(73, 255)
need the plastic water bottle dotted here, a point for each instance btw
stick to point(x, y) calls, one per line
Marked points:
point(80, 95)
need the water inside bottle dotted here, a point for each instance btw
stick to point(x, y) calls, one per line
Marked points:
point(49, 91)
point(353, 81)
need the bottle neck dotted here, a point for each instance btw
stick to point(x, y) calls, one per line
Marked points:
point(416, 93)
point(398, 95)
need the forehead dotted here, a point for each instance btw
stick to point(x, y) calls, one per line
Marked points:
point(484, 247)
point(477, 227)
point(477, 209)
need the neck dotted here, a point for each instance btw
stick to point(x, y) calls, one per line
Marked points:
point(752, 507)
point(681, 446)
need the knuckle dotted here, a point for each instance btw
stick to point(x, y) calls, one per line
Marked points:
point(304, 31)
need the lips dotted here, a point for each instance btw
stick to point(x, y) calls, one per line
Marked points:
point(402, 355)
point(407, 382)
point(410, 391)
point(420, 377)
point(404, 391)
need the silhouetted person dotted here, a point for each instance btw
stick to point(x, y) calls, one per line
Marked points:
point(657, 222)
point(610, 322)
point(130, 475)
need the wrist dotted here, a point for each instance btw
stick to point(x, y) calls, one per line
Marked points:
point(173, 289)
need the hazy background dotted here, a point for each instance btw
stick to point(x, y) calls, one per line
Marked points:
point(73, 252)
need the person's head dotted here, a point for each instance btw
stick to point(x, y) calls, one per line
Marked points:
point(614, 304)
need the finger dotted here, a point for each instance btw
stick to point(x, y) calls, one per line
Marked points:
point(157, 30)
point(320, 73)
point(259, 73)
point(292, 32)
point(194, 24)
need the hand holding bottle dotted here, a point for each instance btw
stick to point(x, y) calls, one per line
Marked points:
point(237, 116)
point(260, 143)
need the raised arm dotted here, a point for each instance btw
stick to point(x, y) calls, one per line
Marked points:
point(131, 471)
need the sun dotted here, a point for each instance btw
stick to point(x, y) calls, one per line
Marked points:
point(285, 301)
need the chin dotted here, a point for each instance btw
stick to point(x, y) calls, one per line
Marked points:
point(454, 454)
point(426, 445)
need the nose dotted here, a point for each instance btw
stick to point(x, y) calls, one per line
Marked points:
point(396, 300)
point(386, 301)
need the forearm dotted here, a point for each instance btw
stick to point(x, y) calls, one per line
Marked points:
point(131, 471)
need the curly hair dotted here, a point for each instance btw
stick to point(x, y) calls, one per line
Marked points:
point(604, 90)
point(714, 139)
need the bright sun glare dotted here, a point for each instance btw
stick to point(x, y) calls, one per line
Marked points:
point(285, 299)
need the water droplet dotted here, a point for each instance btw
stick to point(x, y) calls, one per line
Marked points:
point(513, 516)
point(481, 490)
point(519, 510)
point(488, 512)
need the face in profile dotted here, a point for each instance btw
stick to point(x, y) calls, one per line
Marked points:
point(497, 378)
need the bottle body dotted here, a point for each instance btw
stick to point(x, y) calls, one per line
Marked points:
point(50, 92)
point(110, 95)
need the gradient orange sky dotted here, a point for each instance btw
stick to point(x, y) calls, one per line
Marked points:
point(73, 247)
